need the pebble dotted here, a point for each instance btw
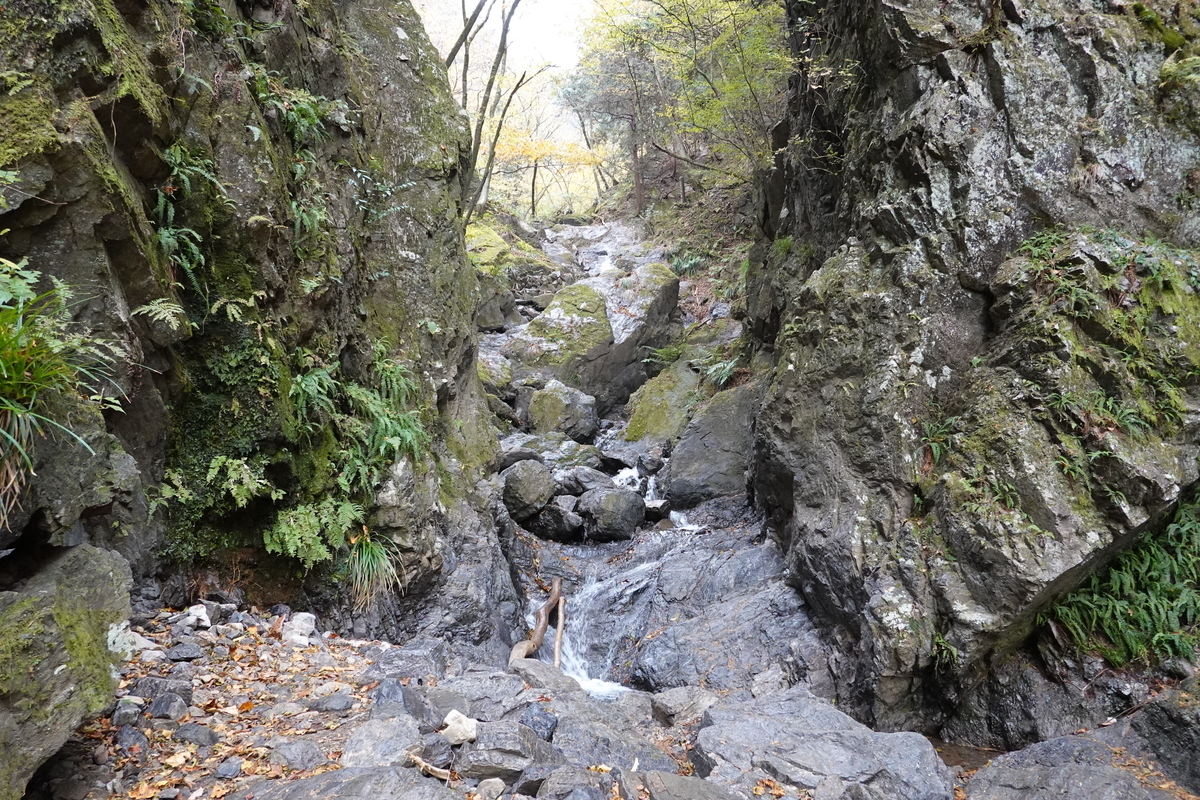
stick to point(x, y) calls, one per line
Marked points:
point(230, 768)
point(133, 741)
point(197, 734)
point(334, 702)
point(459, 728)
point(491, 789)
point(168, 706)
point(126, 713)
point(185, 652)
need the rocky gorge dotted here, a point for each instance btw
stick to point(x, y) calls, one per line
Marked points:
point(798, 529)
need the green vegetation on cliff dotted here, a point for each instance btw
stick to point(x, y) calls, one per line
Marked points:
point(44, 357)
point(1146, 603)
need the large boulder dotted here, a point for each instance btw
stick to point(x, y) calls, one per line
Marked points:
point(1071, 766)
point(497, 309)
point(930, 410)
point(558, 407)
point(504, 750)
point(528, 486)
point(554, 449)
point(557, 524)
point(714, 453)
point(594, 334)
point(496, 375)
point(572, 331)
point(383, 743)
point(660, 409)
point(55, 666)
point(578, 480)
point(394, 783)
point(612, 514)
point(797, 739)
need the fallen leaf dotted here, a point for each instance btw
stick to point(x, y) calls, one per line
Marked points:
point(143, 791)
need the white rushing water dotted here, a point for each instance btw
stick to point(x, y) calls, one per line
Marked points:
point(589, 647)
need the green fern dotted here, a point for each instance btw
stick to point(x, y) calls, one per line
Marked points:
point(314, 394)
point(166, 312)
point(307, 531)
point(1146, 604)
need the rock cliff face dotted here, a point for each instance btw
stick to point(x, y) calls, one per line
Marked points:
point(245, 197)
point(967, 416)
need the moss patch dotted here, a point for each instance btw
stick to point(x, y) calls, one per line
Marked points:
point(572, 326)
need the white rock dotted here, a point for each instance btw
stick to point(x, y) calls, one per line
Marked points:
point(197, 617)
point(301, 624)
point(459, 728)
point(152, 656)
point(491, 789)
point(127, 643)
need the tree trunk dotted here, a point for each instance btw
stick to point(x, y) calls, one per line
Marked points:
point(533, 192)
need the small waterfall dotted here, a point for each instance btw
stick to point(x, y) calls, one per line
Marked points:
point(594, 631)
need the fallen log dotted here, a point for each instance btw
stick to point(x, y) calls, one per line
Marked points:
point(526, 648)
point(558, 634)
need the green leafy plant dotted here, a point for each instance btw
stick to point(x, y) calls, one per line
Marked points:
point(241, 479)
point(308, 531)
point(685, 265)
point(208, 18)
point(374, 194)
point(938, 438)
point(190, 172)
point(664, 355)
point(44, 357)
point(372, 568)
point(1146, 604)
point(302, 115)
point(945, 655)
point(166, 312)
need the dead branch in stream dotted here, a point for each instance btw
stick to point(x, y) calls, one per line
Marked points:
point(429, 769)
point(530, 646)
point(558, 634)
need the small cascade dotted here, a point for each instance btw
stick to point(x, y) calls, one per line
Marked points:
point(594, 632)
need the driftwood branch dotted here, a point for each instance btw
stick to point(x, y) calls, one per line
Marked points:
point(429, 769)
point(530, 646)
point(558, 635)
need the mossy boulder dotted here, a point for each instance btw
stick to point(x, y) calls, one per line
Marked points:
point(56, 670)
point(558, 407)
point(499, 252)
point(573, 331)
point(659, 411)
point(595, 334)
point(496, 374)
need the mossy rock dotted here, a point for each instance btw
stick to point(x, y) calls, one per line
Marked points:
point(55, 666)
point(497, 251)
point(573, 328)
point(660, 410)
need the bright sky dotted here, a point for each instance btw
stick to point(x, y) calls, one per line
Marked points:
point(544, 31)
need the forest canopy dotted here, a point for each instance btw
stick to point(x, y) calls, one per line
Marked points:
point(672, 87)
